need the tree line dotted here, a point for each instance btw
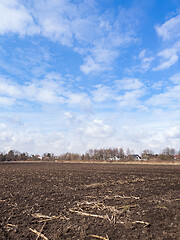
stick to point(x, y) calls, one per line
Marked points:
point(97, 155)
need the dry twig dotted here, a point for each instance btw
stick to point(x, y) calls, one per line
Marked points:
point(50, 219)
point(93, 185)
point(39, 215)
point(88, 214)
point(11, 227)
point(121, 222)
point(38, 233)
point(99, 237)
point(142, 222)
point(119, 196)
point(47, 218)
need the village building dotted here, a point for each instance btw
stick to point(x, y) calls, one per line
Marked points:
point(136, 157)
point(176, 157)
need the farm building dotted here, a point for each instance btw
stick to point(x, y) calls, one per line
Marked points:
point(136, 157)
point(114, 158)
point(176, 157)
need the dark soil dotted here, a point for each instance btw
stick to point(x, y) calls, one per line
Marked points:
point(77, 201)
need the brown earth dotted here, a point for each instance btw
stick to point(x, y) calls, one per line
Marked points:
point(89, 201)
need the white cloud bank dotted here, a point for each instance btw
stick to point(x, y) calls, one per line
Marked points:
point(97, 129)
point(73, 25)
point(175, 78)
point(170, 29)
point(50, 90)
point(15, 18)
point(168, 57)
point(77, 131)
point(54, 90)
point(169, 32)
point(95, 133)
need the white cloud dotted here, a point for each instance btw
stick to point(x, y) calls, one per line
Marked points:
point(83, 33)
point(158, 85)
point(173, 132)
point(99, 60)
point(91, 65)
point(57, 30)
point(28, 140)
point(169, 56)
point(66, 21)
point(74, 25)
point(145, 61)
point(15, 18)
point(113, 34)
point(125, 92)
point(169, 99)
point(44, 91)
point(170, 29)
point(80, 135)
point(50, 90)
point(70, 120)
point(68, 115)
point(81, 99)
point(97, 129)
point(129, 84)
point(47, 96)
point(134, 130)
point(150, 132)
point(102, 93)
point(6, 101)
point(131, 99)
point(81, 24)
point(142, 53)
point(175, 78)
point(8, 89)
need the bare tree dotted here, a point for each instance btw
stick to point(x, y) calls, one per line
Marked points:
point(147, 154)
point(10, 156)
point(169, 151)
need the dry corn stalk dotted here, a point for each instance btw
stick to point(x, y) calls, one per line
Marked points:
point(142, 222)
point(119, 196)
point(39, 215)
point(39, 234)
point(99, 237)
point(88, 214)
point(40, 231)
point(50, 219)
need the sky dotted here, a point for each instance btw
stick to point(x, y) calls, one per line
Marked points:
point(84, 74)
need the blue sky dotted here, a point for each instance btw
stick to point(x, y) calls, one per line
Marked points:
point(76, 75)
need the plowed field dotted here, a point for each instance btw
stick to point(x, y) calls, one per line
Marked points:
point(89, 201)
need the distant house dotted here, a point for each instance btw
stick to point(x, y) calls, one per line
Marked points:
point(176, 157)
point(38, 157)
point(113, 158)
point(136, 157)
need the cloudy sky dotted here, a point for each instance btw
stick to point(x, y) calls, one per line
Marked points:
point(84, 74)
